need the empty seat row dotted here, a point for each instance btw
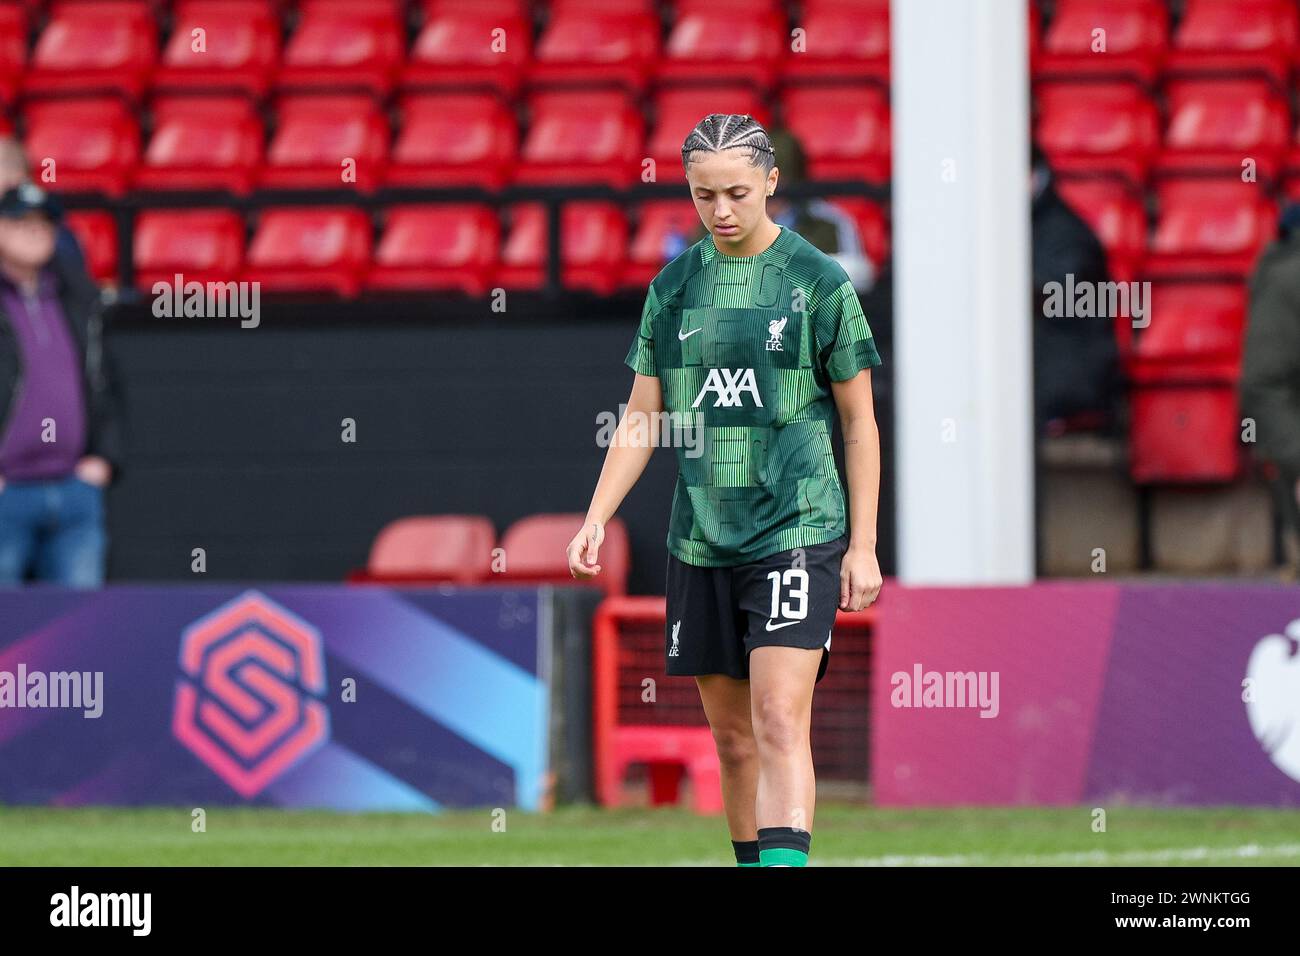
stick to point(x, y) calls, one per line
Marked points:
point(324, 141)
point(464, 549)
point(1215, 127)
point(240, 44)
point(461, 247)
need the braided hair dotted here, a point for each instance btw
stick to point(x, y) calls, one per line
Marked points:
point(719, 131)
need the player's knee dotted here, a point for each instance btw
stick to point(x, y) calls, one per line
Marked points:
point(735, 743)
point(777, 724)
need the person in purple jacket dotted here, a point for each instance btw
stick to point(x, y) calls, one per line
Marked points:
point(60, 425)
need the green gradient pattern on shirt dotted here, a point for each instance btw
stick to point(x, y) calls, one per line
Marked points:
point(745, 349)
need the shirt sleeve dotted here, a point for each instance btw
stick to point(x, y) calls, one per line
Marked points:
point(641, 355)
point(845, 345)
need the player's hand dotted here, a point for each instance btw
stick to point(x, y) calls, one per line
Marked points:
point(582, 551)
point(859, 579)
point(94, 470)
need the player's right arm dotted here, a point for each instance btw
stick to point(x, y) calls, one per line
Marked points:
point(625, 460)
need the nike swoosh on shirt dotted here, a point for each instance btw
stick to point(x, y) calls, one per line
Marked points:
point(777, 627)
point(683, 338)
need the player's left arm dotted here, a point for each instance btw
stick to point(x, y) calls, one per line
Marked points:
point(860, 578)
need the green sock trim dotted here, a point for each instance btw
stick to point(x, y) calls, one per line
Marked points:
point(749, 864)
point(782, 856)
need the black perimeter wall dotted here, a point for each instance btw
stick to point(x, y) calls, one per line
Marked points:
point(235, 434)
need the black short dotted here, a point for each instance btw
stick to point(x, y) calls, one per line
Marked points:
point(716, 616)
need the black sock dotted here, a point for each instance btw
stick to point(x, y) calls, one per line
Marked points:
point(746, 852)
point(783, 846)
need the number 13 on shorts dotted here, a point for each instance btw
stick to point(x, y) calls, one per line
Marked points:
point(795, 608)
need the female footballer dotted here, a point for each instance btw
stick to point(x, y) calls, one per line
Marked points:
point(749, 337)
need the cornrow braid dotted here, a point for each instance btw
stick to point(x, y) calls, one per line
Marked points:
point(719, 131)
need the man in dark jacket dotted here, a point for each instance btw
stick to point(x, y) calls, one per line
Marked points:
point(1270, 371)
point(60, 427)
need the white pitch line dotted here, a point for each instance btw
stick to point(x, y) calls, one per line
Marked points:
point(1249, 851)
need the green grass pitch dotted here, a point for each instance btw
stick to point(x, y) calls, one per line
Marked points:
point(843, 835)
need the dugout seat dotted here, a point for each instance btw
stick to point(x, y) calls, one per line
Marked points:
point(311, 249)
point(203, 245)
point(873, 230)
point(109, 46)
point(357, 45)
point(1136, 35)
point(844, 130)
point(446, 246)
point(1214, 125)
point(96, 233)
point(1184, 371)
point(93, 143)
point(713, 42)
point(13, 49)
point(464, 46)
point(596, 45)
point(535, 551)
point(241, 49)
point(1209, 227)
point(454, 139)
point(431, 549)
point(1117, 216)
point(593, 247)
point(664, 227)
point(581, 137)
point(202, 142)
point(1097, 129)
point(845, 42)
point(1236, 36)
point(316, 135)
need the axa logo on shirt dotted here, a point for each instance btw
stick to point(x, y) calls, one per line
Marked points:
point(728, 385)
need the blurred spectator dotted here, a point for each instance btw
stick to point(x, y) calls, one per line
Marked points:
point(1076, 360)
point(825, 225)
point(1270, 371)
point(60, 438)
point(14, 172)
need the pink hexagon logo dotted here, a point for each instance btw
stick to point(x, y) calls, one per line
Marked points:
point(248, 700)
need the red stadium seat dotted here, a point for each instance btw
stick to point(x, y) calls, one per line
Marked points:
point(454, 139)
point(342, 46)
point(1135, 35)
point(451, 246)
point(202, 142)
point(1097, 129)
point(1214, 126)
point(310, 249)
point(96, 232)
point(1186, 426)
point(595, 46)
point(203, 245)
point(315, 138)
point(1210, 227)
point(844, 42)
point(678, 109)
point(844, 130)
point(1118, 218)
point(107, 46)
point(712, 43)
point(593, 239)
point(464, 46)
point(91, 144)
point(1236, 36)
point(535, 551)
point(873, 230)
point(13, 49)
point(241, 47)
point(432, 548)
point(664, 228)
point(581, 138)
